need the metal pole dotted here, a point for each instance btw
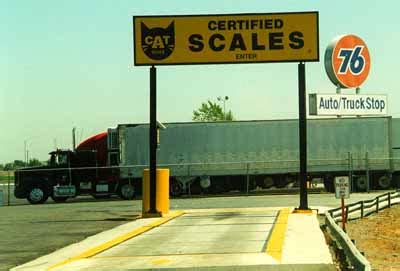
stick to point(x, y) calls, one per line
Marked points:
point(349, 168)
point(367, 169)
point(352, 173)
point(73, 139)
point(153, 139)
point(302, 137)
point(25, 152)
point(247, 179)
point(8, 195)
point(343, 216)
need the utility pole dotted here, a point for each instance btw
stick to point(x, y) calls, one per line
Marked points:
point(25, 156)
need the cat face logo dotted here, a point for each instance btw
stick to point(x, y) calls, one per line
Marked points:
point(158, 43)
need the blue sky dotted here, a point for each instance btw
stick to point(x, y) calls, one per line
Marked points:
point(69, 64)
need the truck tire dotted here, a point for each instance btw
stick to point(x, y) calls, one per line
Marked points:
point(175, 187)
point(361, 183)
point(267, 182)
point(59, 199)
point(127, 191)
point(37, 195)
point(384, 182)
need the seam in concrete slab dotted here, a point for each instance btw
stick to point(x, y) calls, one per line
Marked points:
point(100, 248)
point(174, 254)
point(275, 242)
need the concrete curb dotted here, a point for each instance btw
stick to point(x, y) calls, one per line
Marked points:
point(356, 258)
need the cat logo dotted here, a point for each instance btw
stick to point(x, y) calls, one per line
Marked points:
point(158, 43)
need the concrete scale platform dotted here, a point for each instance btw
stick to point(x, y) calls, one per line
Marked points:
point(217, 239)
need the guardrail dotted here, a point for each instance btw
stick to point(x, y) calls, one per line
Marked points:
point(356, 211)
point(366, 207)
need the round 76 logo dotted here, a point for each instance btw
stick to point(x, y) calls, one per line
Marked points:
point(347, 61)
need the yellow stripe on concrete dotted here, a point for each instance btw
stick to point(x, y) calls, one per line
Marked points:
point(275, 242)
point(100, 248)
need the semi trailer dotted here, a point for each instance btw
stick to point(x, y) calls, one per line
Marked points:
point(221, 156)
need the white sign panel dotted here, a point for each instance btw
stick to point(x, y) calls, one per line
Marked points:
point(342, 187)
point(342, 104)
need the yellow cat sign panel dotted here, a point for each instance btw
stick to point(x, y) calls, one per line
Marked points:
point(228, 38)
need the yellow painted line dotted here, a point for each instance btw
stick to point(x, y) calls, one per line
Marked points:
point(161, 261)
point(275, 242)
point(107, 245)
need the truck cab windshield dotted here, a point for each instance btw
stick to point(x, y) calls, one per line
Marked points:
point(59, 159)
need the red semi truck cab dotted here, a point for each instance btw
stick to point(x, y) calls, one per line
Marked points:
point(90, 169)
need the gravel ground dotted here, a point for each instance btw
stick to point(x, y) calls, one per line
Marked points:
point(378, 236)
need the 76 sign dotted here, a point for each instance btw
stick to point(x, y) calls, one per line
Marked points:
point(347, 61)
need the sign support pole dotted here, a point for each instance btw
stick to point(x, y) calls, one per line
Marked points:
point(153, 139)
point(343, 216)
point(302, 137)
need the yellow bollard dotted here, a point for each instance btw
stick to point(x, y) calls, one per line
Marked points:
point(162, 193)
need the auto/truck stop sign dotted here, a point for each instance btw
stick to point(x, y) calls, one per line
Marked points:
point(225, 38)
point(342, 187)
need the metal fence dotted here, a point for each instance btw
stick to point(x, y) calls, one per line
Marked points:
point(6, 188)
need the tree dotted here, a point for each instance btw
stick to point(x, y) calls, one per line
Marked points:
point(210, 111)
point(19, 164)
point(34, 162)
point(8, 166)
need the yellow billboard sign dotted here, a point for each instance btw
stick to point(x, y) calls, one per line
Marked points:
point(228, 38)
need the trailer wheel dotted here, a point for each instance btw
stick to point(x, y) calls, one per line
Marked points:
point(127, 191)
point(175, 188)
point(267, 182)
point(361, 183)
point(37, 195)
point(384, 182)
